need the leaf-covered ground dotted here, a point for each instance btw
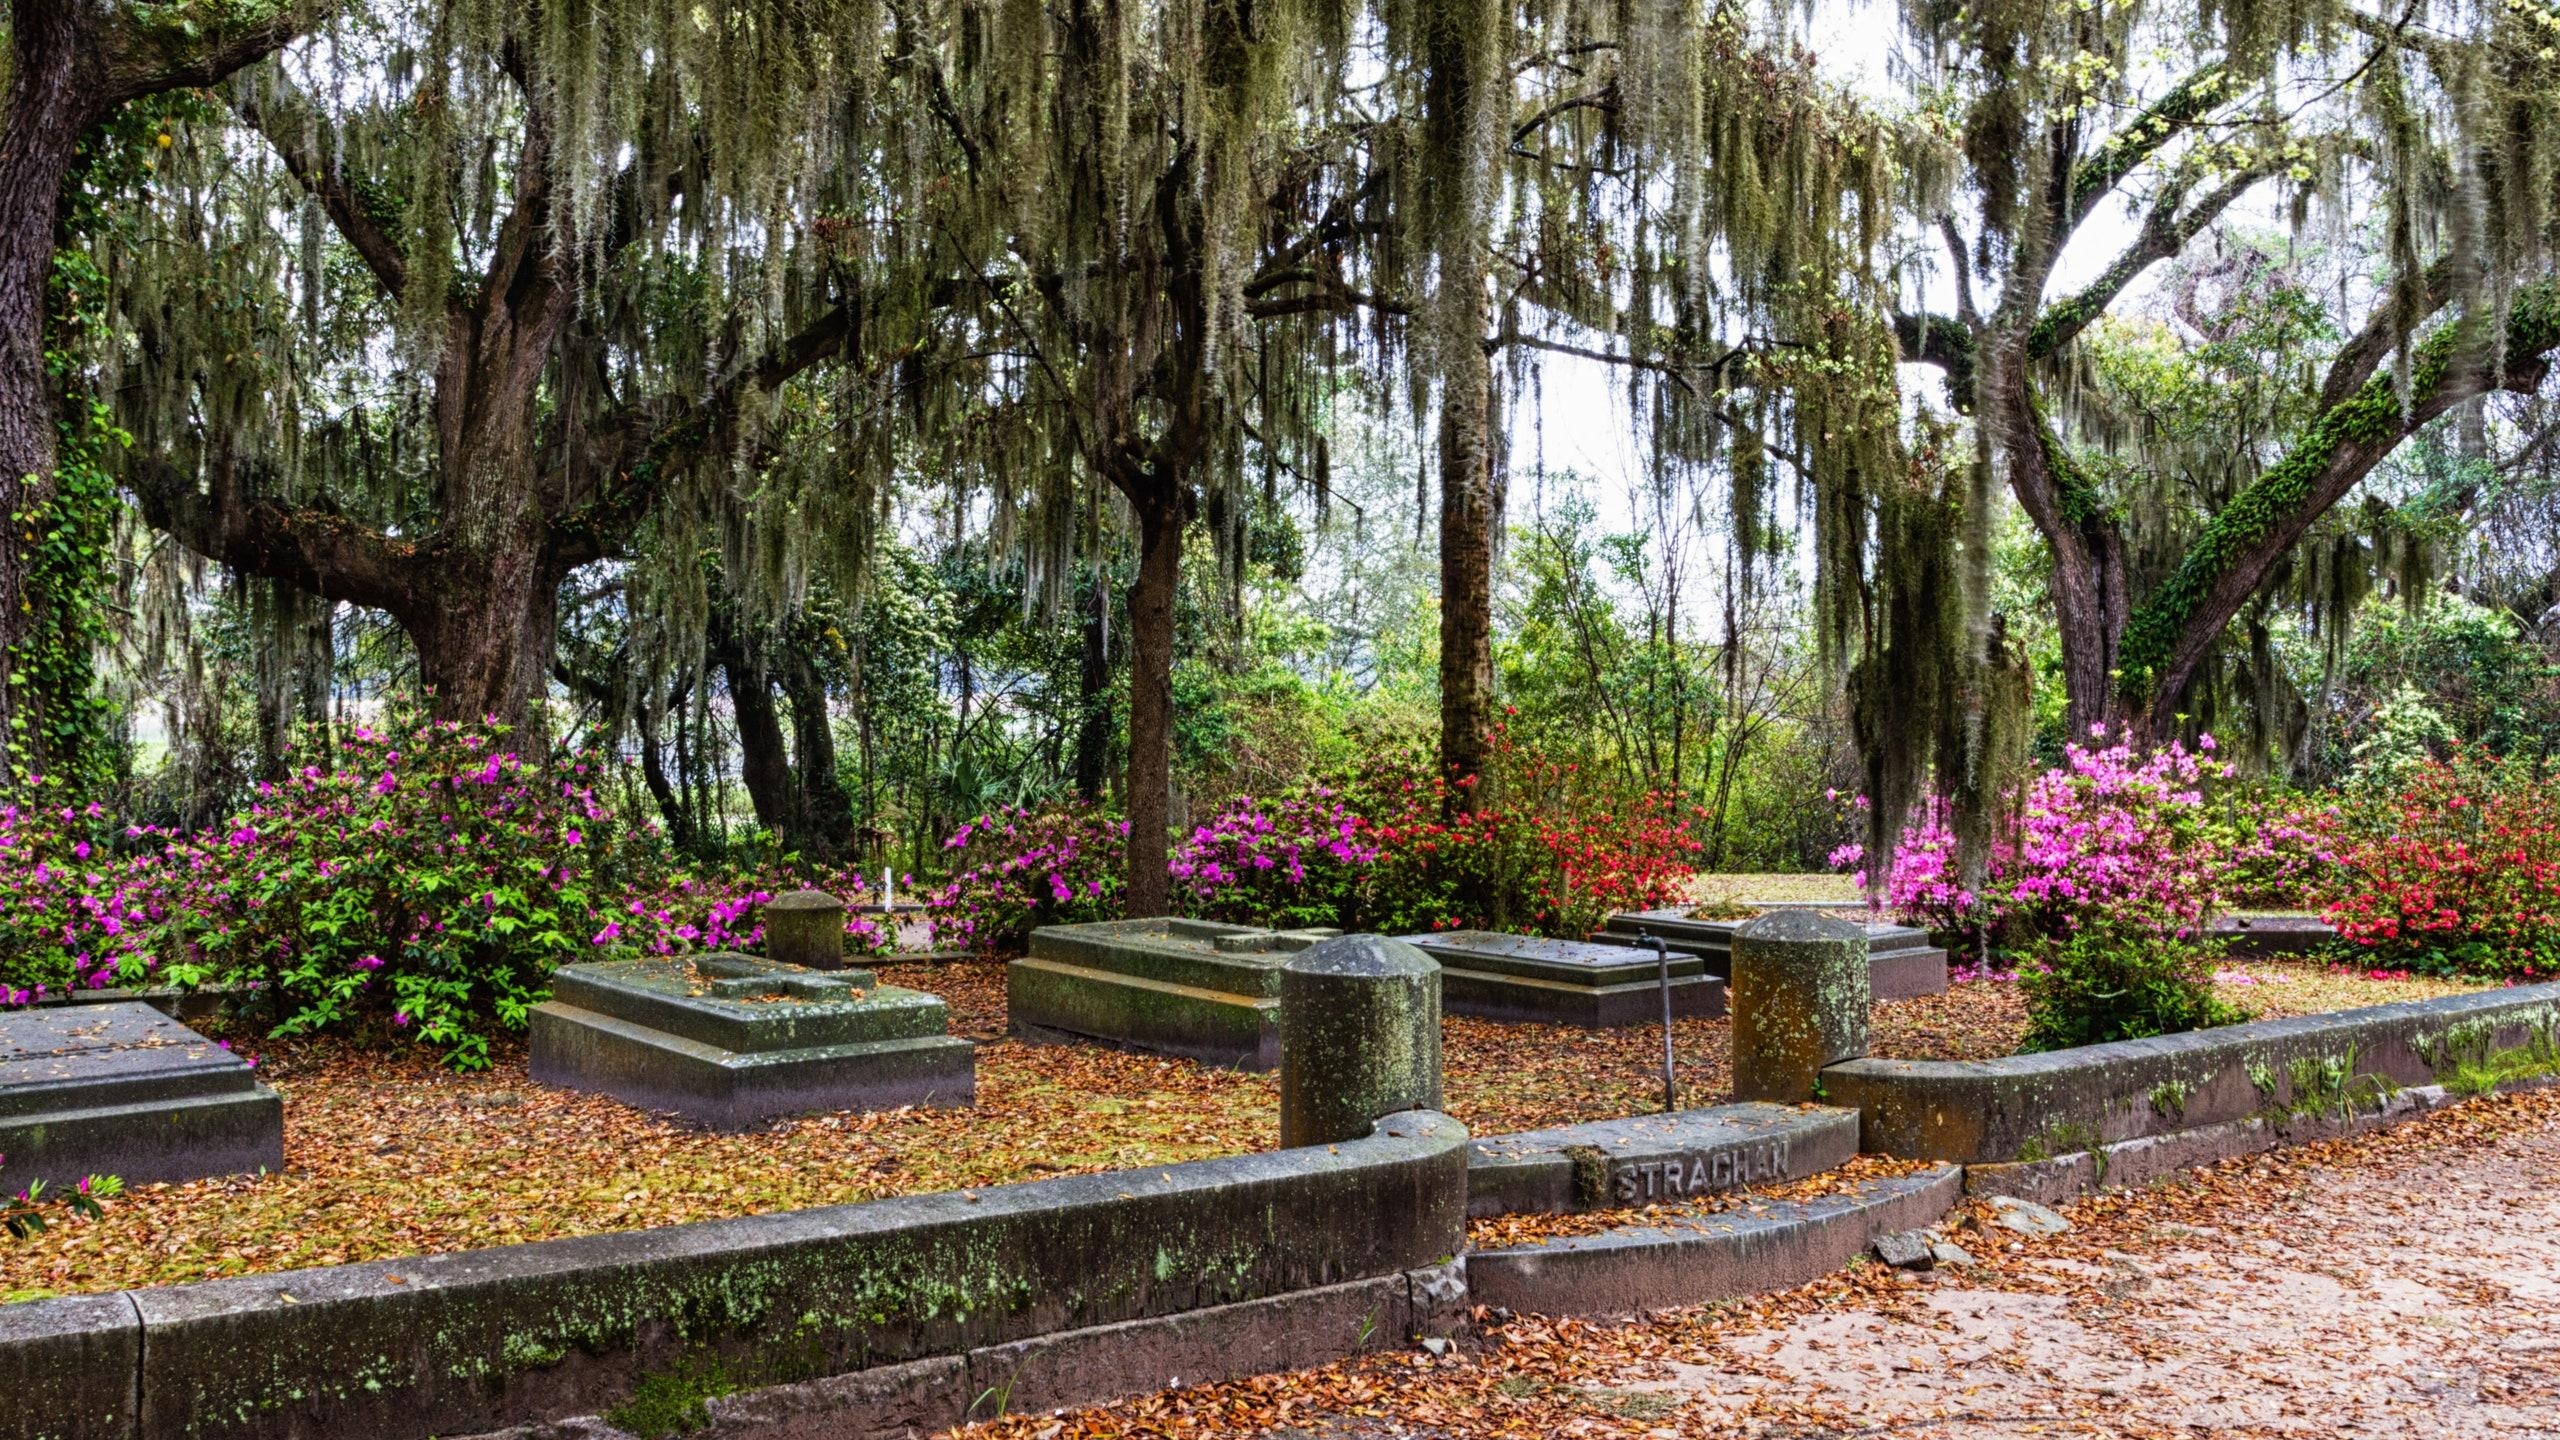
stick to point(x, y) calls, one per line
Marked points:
point(396, 1157)
point(2400, 1284)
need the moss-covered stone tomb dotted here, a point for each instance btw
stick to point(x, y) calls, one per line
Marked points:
point(124, 1090)
point(1195, 988)
point(733, 1041)
point(1902, 963)
point(1564, 982)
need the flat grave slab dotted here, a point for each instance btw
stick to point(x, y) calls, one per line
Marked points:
point(1901, 962)
point(1647, 1159)
point(1499, 976)
point(2258, 937)
point(124, 1090)
point(734, 1041)
point(1196, 988)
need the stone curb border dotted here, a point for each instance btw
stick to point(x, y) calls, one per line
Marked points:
point(477, 1340)
point(1297, 1331)
point(1776, 1247)
point(2062, 1101)
point(2131, 1164)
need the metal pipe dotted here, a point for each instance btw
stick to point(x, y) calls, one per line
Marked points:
point(1670, 1082)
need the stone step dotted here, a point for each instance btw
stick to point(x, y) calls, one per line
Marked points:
point(1645, 1159)
point(1751, 1250)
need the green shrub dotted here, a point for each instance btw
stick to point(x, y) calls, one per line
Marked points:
point(2108, 982)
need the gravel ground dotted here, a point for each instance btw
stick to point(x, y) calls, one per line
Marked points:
point(2399, 1284)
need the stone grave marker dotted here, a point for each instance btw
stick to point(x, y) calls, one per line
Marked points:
point(2260, 937)
point(1565, 982)
point(1799, 1003)
point(1901, 962)
point(1196, 988)
point(124, 1090)
point(735, 1041)
point(805, 927)
point(1651, 1159)
point(1359, 1037)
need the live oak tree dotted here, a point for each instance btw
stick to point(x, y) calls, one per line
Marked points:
point(73, 67)
point(547, 260)
point(2426, 138)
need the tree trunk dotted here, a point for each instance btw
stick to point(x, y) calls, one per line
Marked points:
point(1467, 521)
point(764, 762)
point(823, 811)
point(48, 106)
point(1150, 790)
point(653, 773)
point(485, 626)
point(1093, 695)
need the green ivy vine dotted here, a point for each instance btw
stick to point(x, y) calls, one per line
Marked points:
point(2373, 414)
point(61, 721)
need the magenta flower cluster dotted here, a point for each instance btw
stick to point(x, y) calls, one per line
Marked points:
point(425, 884)
point(1017, 869)
point(1293, 861)
point(2110, 834)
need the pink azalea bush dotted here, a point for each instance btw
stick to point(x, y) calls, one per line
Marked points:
point(1925, 887)
point(2112, 835)
point(1018, 869)
point(1294, 861)
point(2108, 835)
point(428, 881)
point(77, 908)
point(421, 888)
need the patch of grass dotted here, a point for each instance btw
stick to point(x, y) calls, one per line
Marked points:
point(2169, 1098)
point(672, 1402)
point(1633, 1404)
point(2475, 1075)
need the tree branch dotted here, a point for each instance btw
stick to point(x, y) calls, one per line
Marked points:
point(158, 51)
point(596, 529)
point(2165, 232)
point(2142, 137)
point(2168, 638)
point(1946, 343)
point(356, 208)
point(317, 550)
point(2392, 322)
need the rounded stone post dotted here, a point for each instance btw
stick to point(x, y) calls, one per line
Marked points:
point(1359, 1037)
point(1799, 1000)
point(805, 927)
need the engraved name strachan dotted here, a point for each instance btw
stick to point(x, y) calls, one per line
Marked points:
point(1636, 1182)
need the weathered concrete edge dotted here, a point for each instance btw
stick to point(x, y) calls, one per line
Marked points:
point(2131, 1164)
point(1624, 1271)
point(1989, 1111)
point(70, 1368)
point(1295, 1331)
point(475, 1319)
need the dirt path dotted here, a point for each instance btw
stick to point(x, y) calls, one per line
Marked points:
point(2401, 1284)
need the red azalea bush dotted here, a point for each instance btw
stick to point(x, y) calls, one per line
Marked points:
point(1549, 851)
point(1016, 870)
point(2457, 868)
